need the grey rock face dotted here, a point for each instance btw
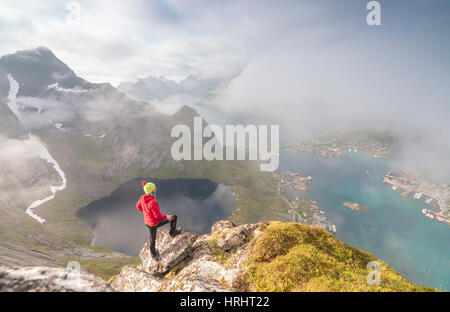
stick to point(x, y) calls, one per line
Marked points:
point(231, 240)
point(204, 274)
point(220, 225)
point(235, 237)
point(172, 251)
point(190, 262)
point(132, 279)
point(45, 279)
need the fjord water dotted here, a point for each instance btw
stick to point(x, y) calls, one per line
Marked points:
point(119, 225)
point(394, 229)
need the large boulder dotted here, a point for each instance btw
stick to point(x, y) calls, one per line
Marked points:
point(45, 279)
point(172, 251)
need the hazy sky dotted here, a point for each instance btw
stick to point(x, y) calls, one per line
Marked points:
point(119, 40)
point(308, 65)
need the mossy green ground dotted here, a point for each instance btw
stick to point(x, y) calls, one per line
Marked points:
point(297, 257)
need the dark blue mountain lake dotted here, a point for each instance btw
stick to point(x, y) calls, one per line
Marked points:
point(393, 229)
point(119, 225)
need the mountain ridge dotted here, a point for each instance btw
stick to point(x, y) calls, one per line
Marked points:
point(267, 256)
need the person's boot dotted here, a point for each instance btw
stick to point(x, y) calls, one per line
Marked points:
point(175, 232)
point(156, 256)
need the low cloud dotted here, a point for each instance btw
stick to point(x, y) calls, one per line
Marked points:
point(309, 66)
point(12, 150)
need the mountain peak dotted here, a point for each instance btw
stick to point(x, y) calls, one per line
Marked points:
point(35, 54)
point(35, 70)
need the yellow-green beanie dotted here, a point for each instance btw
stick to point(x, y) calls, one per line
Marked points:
point(149, 187)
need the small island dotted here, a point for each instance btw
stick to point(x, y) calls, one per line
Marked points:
point(355, 206)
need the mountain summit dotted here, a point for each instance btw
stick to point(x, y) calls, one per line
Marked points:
point(161, 88)
point(35, 70)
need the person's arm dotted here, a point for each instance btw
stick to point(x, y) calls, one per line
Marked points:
point(139, 205)
point(156, 212)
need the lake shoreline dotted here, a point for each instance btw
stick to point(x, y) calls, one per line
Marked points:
point(118, 225)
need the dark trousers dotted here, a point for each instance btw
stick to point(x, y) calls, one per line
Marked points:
point(153, 229)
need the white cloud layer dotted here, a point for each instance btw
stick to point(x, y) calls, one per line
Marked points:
point(309, 65)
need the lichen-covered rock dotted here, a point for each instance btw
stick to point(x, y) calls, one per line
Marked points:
point(203, 274)
point(232, 239)
point(235, 237)
point(220, 225)
point(201, 247)
point(172, 251)
point(131, 279)
point(45, 279)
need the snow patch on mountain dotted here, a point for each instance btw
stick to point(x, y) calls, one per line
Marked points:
point(43, 152)
point(12, 103)
point(56, 87)
point(45, 155)
point(59, 126)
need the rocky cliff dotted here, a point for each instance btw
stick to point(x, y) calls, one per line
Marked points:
point(270, 256)
point(267, 256)
point(45, 279)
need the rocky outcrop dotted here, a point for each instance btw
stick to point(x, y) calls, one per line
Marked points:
point(172, 251)
point(272, 256)
point(133, 279)
point(192, 262)
point(45, 279)
point(234, 237)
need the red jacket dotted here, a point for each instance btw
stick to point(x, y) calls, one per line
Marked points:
point(150, 207)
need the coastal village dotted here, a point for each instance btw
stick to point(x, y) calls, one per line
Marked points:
point(301, 210)
point(376, 143)
point(437, 194)
point(332, 147)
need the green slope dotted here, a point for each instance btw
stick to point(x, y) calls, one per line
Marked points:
point(297, 257)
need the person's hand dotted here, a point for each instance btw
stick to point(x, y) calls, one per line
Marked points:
point(170, 218)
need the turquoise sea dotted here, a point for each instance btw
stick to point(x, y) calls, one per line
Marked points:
point(394, 229)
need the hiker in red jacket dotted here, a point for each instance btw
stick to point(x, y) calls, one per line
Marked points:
point(153, 218)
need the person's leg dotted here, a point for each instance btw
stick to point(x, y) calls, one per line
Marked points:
point(173, 227)
point(173, 224)
point(152, 240)
point(152, 236)
point(162, 222)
